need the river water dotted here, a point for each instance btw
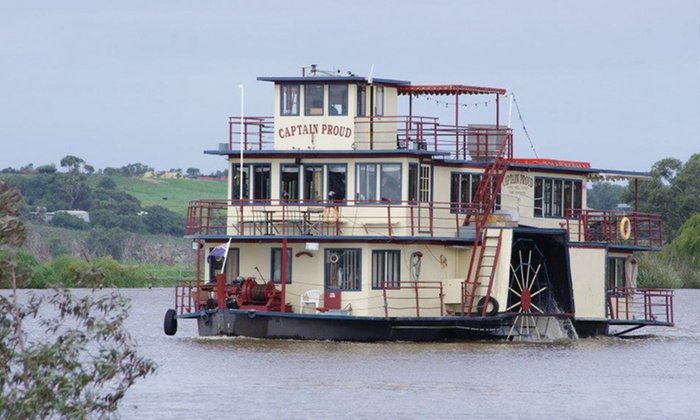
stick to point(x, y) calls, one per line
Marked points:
point(655, 376)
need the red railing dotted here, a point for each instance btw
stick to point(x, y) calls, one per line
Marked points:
point(425, 133)
point(416, 287)
point(349, 218)
point(643, 229)
point(257, 132)
point(403, 132)
point(649, 305)
point(184, 302)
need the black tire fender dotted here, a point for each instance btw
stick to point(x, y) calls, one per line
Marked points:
point(493, 304)
point(170, 322)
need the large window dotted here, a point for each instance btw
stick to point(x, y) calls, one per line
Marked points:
point(337, 99)
point(378, 182)
point(260, 182)
point(337, 182)
point(313, 99)
point(290, 182)
point(289, 103)
point(554, 196)
point(333, 189)
point(216, 264)
point(313, 183)
point(276, 265)
point(342, 269)
point(386, 269)
point(463, 187)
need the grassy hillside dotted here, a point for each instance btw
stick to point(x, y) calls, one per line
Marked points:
point(173, 194)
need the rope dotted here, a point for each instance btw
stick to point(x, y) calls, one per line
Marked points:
point(520, 117)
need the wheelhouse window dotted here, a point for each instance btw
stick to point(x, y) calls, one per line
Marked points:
point(289, 101)
point(361, 100)
point(313, 183)
point(337, 182)
point(290, 182)
point(378, 182)
point(553, 197)
point(379, 101)
point(276, 265)
point(342, 269)
point(216, 265)
point(463, 188)
point(260, 182)
point(313, 99)
point(337, 99)
point(386, 269)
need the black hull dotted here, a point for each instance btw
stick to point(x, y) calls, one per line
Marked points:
point(278, 325)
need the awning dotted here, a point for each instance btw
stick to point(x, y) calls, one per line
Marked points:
point(448, 90)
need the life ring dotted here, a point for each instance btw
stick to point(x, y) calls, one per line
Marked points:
point(493, 304)
point(625, 228)
point(334, 258)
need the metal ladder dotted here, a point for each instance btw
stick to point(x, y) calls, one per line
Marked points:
point(488, 250)
point(482, 205)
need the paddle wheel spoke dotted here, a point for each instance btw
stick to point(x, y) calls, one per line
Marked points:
point(529, 290)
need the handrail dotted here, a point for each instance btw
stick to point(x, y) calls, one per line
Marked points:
point(416, 286)
point(649, 305)
point(406, 131)
point(325, 218)
point(587, 225)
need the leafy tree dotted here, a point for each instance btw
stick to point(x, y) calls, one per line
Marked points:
point(107, 183)
point(158, 219)
point(193, 172)
point(46, 169)
point(68, 221)
point(688, 241)
point(108, 242)
point(74, 189)
point(109, 219)
point(605, 196)
point(72, 163)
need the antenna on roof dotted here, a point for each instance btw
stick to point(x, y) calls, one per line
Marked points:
point(371, 74)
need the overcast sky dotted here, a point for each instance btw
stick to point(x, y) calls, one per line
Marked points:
point(616, 83)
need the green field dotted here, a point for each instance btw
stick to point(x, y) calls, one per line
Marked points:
point(173, 194)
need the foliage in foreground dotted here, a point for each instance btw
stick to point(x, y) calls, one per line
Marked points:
point(82, 364)
point(83, 361)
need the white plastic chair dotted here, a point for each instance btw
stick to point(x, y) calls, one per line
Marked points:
point(311, 296)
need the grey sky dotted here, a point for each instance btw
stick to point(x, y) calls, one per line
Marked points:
point(613, 83)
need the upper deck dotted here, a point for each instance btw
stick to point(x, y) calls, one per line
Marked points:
point(336, 161)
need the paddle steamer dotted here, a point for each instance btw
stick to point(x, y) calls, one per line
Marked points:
point(347, 221)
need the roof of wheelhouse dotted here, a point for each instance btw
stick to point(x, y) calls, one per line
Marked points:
point(333, 79)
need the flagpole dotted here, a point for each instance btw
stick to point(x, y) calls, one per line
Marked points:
point(223, 265)
point(240, 167)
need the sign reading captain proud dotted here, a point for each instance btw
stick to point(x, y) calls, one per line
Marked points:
point(319, 136)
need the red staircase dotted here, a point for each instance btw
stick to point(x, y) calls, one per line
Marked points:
point(486, 248)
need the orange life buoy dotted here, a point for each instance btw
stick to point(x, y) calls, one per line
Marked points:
point(625, 228)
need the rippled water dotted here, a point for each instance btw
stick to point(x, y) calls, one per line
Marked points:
point(652, 377)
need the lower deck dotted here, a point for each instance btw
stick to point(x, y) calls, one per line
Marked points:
point(511, 273)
